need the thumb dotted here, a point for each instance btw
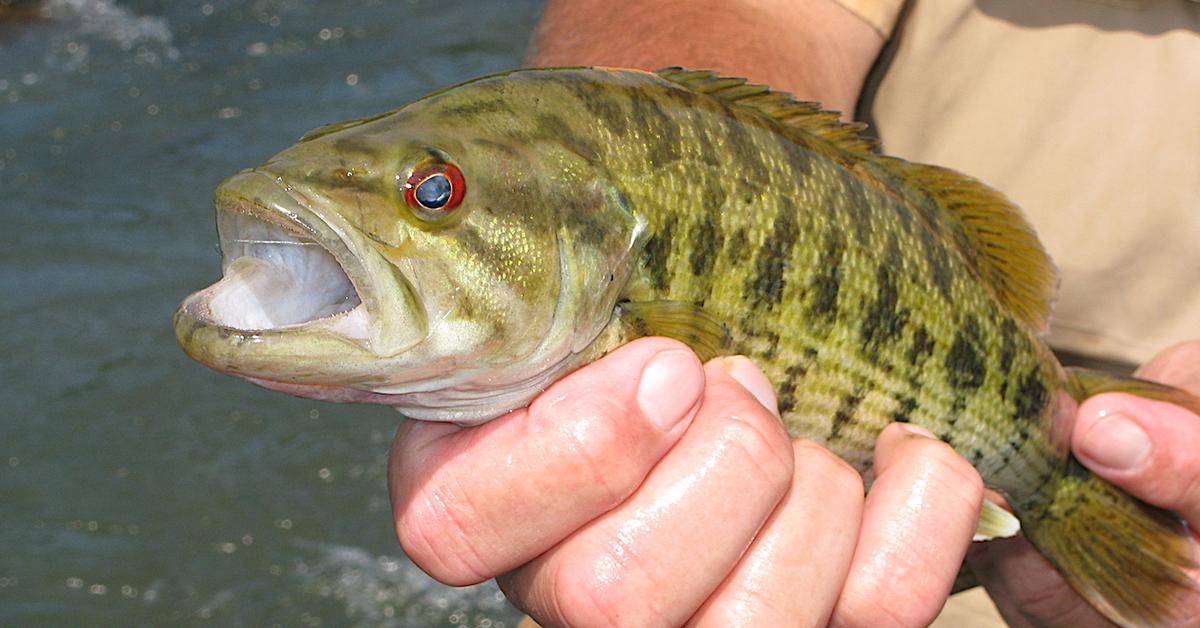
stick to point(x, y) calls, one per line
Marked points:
point(1145, 447)
point(471, 503)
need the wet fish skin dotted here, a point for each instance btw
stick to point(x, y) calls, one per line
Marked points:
point(832, 284)
point(604, 205)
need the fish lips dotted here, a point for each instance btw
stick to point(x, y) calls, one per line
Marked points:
point(305, 300)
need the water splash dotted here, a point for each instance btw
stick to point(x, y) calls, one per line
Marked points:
point(386, 590)
point(102, 23)
point(108, 21)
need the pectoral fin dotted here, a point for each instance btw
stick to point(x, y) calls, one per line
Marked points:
point(684, 322)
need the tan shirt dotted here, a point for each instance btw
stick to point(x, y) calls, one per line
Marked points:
point(1087, 114)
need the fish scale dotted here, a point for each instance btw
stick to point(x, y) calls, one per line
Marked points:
point(854, 272)
point(604, 205)
point(846, 369)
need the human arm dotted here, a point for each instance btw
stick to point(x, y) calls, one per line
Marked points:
point(815, 49)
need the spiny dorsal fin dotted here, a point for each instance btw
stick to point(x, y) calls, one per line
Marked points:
point(806, 117)
point(990, 232)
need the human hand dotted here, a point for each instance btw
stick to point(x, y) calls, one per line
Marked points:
point(675, 496)
point(1146, 447)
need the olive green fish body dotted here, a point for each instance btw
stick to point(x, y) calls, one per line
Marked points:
point(572, 210)
point(835, 285)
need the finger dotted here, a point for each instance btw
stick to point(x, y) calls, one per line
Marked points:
point(753, 380)
point(918, 521)
point(1027, 590)
point(1178, 365)
point(793, 572)
point(680, 533)
point(472, 503)
point(1146, 447)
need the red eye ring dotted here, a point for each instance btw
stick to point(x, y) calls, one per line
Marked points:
point(435, 188)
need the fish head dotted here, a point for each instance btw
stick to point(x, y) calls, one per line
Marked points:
point(411, 259)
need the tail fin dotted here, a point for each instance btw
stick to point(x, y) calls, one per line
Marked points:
point(1127, 558)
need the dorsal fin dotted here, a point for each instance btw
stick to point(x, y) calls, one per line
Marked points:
point(990, 232)
point(803, 116)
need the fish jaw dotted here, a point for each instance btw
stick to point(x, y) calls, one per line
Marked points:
point(305, 302)
point(308, 306)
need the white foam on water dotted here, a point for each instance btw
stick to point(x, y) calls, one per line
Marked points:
point(390, 590)
point(103, 18)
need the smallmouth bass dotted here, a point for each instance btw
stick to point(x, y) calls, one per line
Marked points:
point(457, 255)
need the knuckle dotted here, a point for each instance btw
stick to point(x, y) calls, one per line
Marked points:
point(1170, 489)
point(949, 468)
point(814, 461)
point(595, 446)
point(433, 534)
point(761, 439)
point(1176, 472)
point(958, 466)
point(585, 592)
point(883, 608)
point(752, 607)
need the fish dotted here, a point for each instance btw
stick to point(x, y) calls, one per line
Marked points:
point(457, 255)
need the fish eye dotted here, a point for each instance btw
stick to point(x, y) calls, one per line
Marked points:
point(434, 192)
point(435, 189)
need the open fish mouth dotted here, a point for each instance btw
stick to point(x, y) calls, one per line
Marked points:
point(284, 269)
point(297, 308)
point(305, 304)
point(276, 276)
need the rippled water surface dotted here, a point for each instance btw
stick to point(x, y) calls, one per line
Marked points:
point(137, 487)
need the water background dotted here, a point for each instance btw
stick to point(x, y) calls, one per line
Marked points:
point(137, 487)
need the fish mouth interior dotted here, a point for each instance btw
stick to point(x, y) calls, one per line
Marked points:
point(277, 277)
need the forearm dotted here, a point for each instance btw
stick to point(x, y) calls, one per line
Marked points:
point(813, 48)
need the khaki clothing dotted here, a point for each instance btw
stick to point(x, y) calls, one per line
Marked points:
point(1087, 114)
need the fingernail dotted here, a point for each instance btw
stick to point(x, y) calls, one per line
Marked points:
point(917, 429)
point(1116, 442)
point(670, 387)
point(744, 372)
